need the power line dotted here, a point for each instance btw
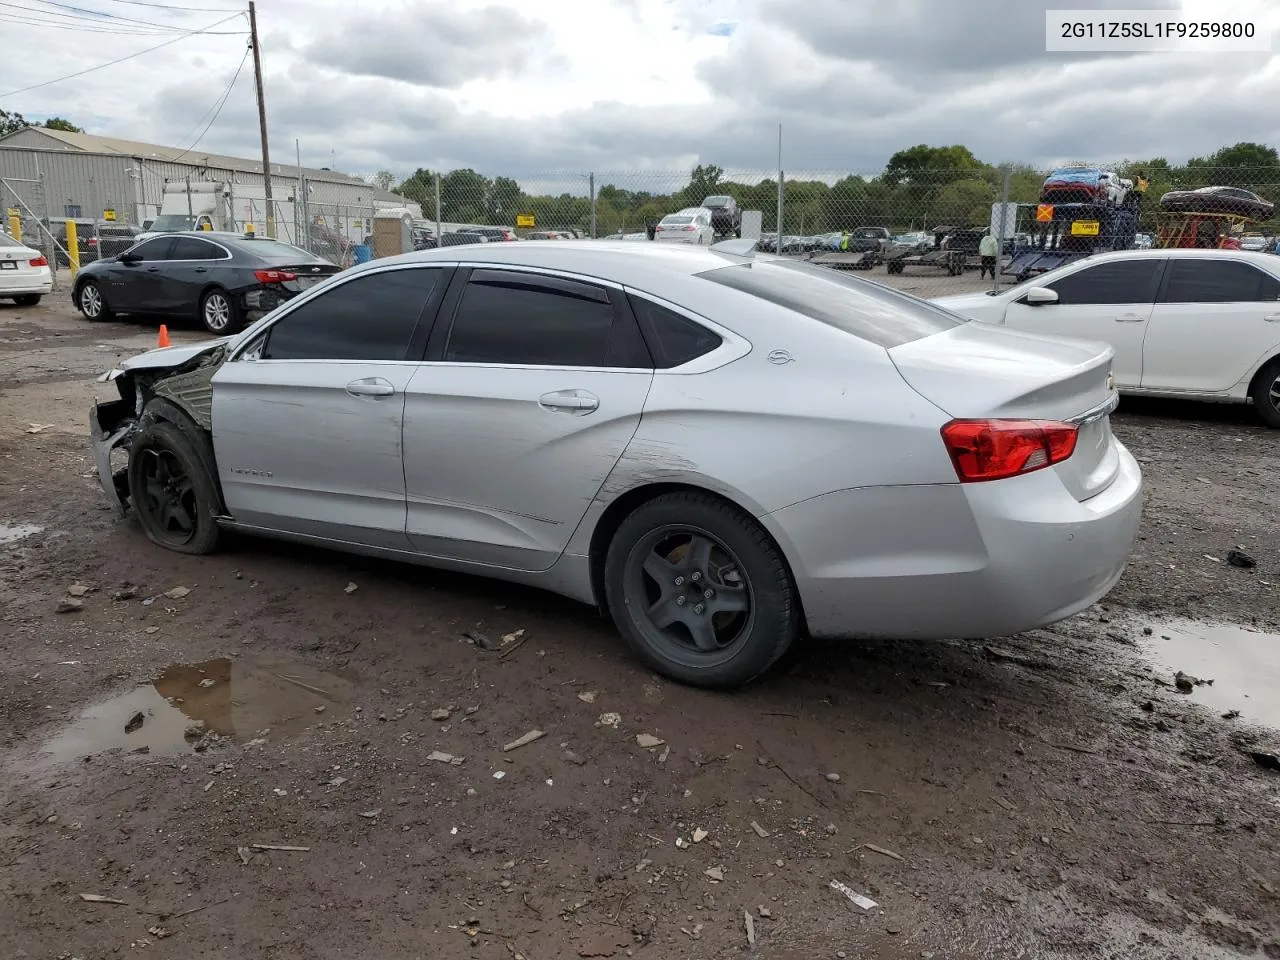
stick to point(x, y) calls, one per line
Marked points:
point(217, 108)
point(112, 63)
point(62, 19)
point(80, 13)
point(48, 24)
point(166, 6)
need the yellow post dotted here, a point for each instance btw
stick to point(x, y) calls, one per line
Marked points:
point(15, 226)
point(73, 247)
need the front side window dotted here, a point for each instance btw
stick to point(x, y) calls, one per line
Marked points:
point(1119, 281)
point(512, 318)
point(1218, 281)
point(371, 317)
point(155, 249)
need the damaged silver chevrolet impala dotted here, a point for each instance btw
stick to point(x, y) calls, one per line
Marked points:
point(722, 451)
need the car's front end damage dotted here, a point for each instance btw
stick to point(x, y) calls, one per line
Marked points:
point(181, 376)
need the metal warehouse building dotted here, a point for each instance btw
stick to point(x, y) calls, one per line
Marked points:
point(53, 174)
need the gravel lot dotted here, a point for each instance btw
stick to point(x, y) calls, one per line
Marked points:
point(1048, 795)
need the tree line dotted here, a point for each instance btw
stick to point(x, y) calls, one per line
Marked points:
point(919, 188)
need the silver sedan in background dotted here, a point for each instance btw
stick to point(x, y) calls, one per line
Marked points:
point(724, 452)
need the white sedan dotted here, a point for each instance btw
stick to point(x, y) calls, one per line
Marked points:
point(25, 276)
point(1197, 324)
point(690, 225)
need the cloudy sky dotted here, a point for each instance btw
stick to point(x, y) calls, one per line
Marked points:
point(534, 86)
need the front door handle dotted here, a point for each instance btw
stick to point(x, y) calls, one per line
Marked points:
point(1130, 318)
point(153, 269)
point(371, 387)
point(576, 402)
point(202, 269)
point(1272, 318)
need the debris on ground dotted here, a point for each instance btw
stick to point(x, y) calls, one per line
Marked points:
point(38, 427)
point(751, 927)
point(588, 696)
point(764, 912)
point(283, 847)
point(372, 814)
point(714, 874)
point(1186, 683)
point(833, 777)
point(883, 851)
point(207, 682)
point(441, 713)
point(177, 593)
point(1231, 715)
point(858, 899)
point(1238, 558)
point(77, 590)
point(69, 606)
point(99, 898)
point(648, 741)
point(523, 741)
point(613, 720)
point(1008, 656)
point(699, 835)
point(1268, 761)
point(760, 831)
point(482, 640)
point(351, 587)
point(135, 722)
point(499, 774)
point(194, 731)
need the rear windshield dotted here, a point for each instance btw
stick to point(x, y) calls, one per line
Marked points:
point(677, 219)
point(716, 201)
point(8, 241)
point(863, 308)
point(172, 222)
point(275, 250)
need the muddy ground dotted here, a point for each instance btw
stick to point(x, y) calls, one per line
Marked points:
point(1047, 795)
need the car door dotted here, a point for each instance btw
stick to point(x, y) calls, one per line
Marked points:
point(134, 286)
point(533, 387)
point(190, 267)
point(307, 420)
point(1214, 319)
point(1110, 301)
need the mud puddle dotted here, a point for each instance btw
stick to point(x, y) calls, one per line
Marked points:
point(1243, 663)
point(13, 532)
point(180, 708)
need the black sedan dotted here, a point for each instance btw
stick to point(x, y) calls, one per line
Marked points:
point(226, 279)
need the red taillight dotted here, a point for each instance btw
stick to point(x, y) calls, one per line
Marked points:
point(996, 449)
point(274, 276)
point(93, 241)
point(40, 262)
point(688, 229)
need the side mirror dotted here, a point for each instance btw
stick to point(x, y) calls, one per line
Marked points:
point(130, 258)
point(1039, 296)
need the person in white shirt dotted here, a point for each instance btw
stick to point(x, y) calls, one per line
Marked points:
point(988, 248)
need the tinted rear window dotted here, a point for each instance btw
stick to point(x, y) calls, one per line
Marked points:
point(275, 250)
point(865, 309)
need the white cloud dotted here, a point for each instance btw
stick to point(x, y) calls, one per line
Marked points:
point(643, 85)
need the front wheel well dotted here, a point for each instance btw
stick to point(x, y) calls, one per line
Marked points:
point(631, 501)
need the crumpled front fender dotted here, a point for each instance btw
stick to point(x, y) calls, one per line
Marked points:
point(105, 440)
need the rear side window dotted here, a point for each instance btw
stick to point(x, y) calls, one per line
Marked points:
point(1218, 281)
point(193, 248)
point(369, 318)
point(867, 310)
point(510, 318)
point(671, 338)
point(1119, 281)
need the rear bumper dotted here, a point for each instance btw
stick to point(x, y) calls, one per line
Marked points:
point(958, 561)
point(18, 283)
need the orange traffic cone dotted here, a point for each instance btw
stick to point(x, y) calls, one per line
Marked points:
point(163, 340)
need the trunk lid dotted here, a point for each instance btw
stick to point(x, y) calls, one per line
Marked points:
point(308, 274)
point(980, 371)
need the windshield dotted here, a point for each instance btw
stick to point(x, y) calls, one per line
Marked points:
point(717, 201)
point(863, 308)
point(172, 222)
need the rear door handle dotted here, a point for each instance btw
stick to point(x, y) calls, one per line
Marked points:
point(371, 387)
point(576, 402)
point(1130, 318)
point(1272, 318)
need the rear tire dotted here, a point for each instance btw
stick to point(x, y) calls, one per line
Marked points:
point(1266, 393)
point(219, 313)
point(28, 299)
point(700, 591)
point(91, 302)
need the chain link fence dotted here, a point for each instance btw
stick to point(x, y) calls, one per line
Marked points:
point(916, 229)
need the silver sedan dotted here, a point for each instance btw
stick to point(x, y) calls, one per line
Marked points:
point(722, 451)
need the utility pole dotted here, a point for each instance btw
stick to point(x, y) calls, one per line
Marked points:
point(262, 118)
